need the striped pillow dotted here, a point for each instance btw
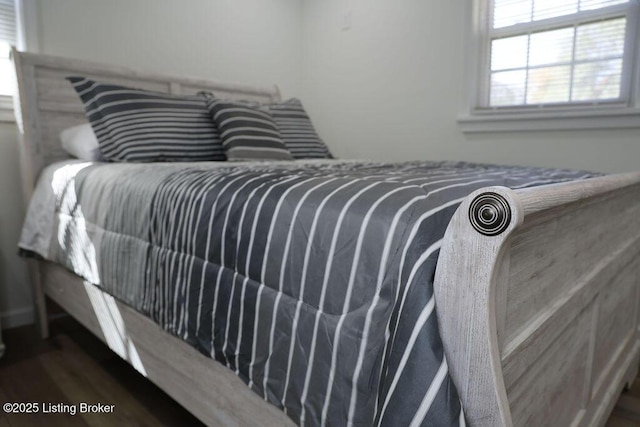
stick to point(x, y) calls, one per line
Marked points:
point(134, 125)
point(247, 130)
point(297, 131)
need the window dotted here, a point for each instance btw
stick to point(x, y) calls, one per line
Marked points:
point(555, 58)
point(7, 39)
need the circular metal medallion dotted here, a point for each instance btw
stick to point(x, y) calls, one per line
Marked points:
point(490, 214)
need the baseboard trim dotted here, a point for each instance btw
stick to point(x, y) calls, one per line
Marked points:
point(17, 317)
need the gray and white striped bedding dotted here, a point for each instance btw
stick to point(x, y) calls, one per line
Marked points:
point(312, 282)
point(297, 131)
point(248, 131)
point(134, 125)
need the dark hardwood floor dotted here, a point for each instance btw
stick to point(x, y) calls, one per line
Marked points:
point(627, 410)
point(73, 366)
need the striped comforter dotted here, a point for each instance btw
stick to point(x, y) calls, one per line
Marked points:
point(313, 282)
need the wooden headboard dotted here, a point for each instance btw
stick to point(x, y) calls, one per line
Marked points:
point(46, 103)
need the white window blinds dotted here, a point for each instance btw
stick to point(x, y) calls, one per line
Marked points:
point(7, 39)
point(7, 21)
point(559, 52)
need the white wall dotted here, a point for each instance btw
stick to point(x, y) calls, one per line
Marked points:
point(248, 41)
point(389, 89)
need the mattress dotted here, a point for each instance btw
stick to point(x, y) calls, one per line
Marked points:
point(312, 281)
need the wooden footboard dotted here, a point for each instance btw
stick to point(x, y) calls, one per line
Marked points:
point(537, 296)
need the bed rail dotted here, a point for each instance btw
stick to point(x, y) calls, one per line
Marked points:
point(537, 300)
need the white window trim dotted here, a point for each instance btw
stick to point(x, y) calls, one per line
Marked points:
point(27, 40)
point(473, 119)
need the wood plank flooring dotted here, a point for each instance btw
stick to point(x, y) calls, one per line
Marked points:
point(627, 410)
point(73, 366)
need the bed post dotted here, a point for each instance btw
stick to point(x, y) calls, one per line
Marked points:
point(24, 105)
point(39, 301)
point(467, 310)
point(30, 164)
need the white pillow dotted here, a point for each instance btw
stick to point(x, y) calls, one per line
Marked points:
point(81, 142)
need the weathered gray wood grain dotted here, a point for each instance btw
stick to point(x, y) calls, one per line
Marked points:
point(549, 308)
point(205, 387)
point(47, 103)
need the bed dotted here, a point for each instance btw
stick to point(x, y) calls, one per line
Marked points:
point(536, 289)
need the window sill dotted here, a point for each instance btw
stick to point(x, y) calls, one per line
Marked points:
point(6, 110)
point(489, 122)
